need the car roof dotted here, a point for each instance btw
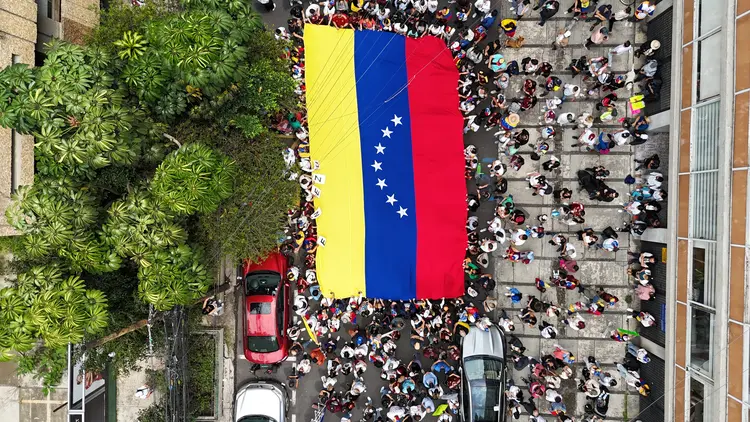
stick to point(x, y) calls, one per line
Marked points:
point(273, 262)
point(261, 324)
point(484, 343)
point(261, 398)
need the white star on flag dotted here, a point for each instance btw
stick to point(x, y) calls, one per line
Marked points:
point(396, 120)
point(376, 166)
point(391, 199)
point(386, 132)
point(381, 183)
point(380, 148)
point(402, 212)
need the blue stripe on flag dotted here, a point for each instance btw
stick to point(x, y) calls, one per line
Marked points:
point(385, 142)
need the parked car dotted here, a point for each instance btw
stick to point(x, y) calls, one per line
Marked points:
point(484, 376)
point(261, 401)
point(267, 310)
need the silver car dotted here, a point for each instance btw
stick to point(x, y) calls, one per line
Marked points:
point(484, 376)
point(261, 401)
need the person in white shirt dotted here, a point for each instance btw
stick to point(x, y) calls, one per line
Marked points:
point(553, 396)
point(396, 413)
point(623, 48)
point(571, 92)
point(654, 180)
point(482, 6)
point(432, 6)
point(621, 137)
point(518, 237)
point(420, 6)
point(566, 119)
point(329, 8)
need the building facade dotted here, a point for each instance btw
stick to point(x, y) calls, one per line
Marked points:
point(25, 26)
point(707, 343)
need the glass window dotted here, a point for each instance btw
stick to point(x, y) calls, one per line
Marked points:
point(262, 344)
point(260, 308)
point(704, 214)
point(701, 339)
point(708, 80)
point(485, 397)
point(710, 13)
point(697, 400)
point(483, 368)
point(705, 139)
point(704, 273)
point(262, 283)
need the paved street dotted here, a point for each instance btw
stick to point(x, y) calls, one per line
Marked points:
point(597, 268)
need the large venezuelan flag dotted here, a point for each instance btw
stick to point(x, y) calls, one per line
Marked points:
point(385, 127)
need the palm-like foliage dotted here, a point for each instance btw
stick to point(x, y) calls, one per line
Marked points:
point(72, 107)
point(57, 217)
point(174, 277)
point(193, 179)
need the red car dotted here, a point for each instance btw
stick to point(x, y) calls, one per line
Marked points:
point(267, 310)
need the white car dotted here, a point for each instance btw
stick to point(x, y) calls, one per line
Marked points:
point(484, 376)
point(261, 401)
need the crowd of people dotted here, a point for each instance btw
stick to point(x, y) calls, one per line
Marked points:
point(344, 338)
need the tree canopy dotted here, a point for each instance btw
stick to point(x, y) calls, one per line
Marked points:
point(153, 157)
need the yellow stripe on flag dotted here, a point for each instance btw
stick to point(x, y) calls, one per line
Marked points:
point(334, 141)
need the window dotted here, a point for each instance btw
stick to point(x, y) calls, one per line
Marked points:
point(263, 283)
point(700, 399)
point(703, 273)
point(262, 344)
point(710, 13)
point(697, 400)
point(260, 308)
point(485, 398)
point(705, 139)
point(708, 81)
point(701, 339)
point(704, 164)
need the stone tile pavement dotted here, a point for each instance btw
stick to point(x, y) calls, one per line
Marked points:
point(597, 268)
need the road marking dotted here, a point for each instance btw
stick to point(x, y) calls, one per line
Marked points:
point(294, 397)
point(291, 359)
point(242, 356)
point(294, 417)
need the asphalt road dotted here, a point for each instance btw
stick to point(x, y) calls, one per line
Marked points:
point(306, 394)
point(309, 386)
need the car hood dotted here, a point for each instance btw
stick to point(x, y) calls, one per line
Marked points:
point(261, 399)
point(484, 343)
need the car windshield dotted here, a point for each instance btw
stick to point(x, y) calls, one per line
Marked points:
point(262, 283)
point(262, 344)
point(483, 368)
point(260, 308)
point(485, 396)
point(256, 418)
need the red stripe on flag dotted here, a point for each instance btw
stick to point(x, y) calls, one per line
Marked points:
point(437, 152)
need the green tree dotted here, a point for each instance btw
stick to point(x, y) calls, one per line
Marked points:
point(173, 277)
point(43, 312)
point(110, 224)
point(193, 179)
point(58, 217)
point(250, 223)
point(71, 105)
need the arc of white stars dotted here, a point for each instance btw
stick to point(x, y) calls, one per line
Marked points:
point(391, 199)
point(396, 120)
point(402, 212)
point(381, 184)
point(376, 165)
point(380, 149)
point(386, 132)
